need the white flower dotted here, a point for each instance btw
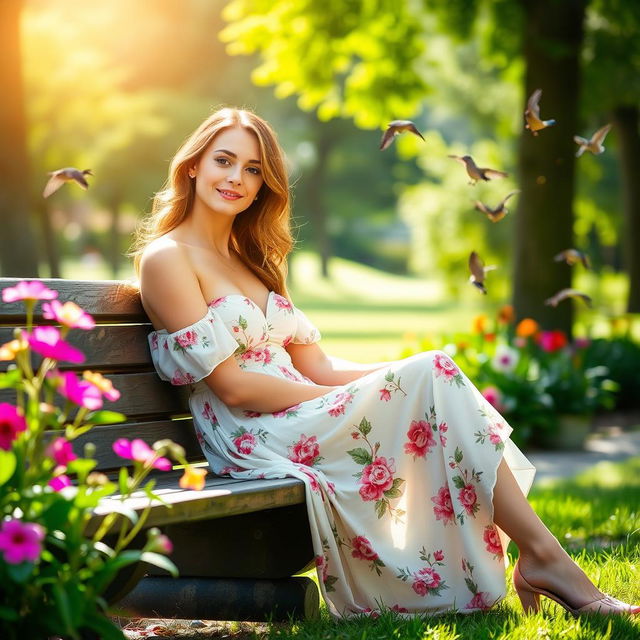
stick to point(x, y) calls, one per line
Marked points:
point(505, 359)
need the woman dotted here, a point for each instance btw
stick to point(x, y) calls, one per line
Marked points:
point(413, 486)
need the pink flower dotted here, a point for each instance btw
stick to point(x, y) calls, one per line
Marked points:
point(551, 341)
point(438, 556)
point(21, 541)
point(282, 302)
point(69, 314)
point(182, 377)
point(377, 478)
point(47, 342)
point(336, 410)
point(424, 580)
point(187, 339)
point(468, 498)
point(80, 392)
point(287, 373)
point(479, 601)
point(344, 396)
point(399, 609)
point(581, 343)
point(140, 451)
point(322, 567)
point(61, 451)
point(58, 483)
point(385, 395)
point(445, 367)
point(251, 414)
point(355, 435)
point(154, 341)
point(245, 443)
point(492, 540)
point(26, 290)
point(313, 480)
point(362, 549)
point(208, 414)
point(494, 397)
point(494, 435)
point(287, 340)
point(444, 508)
point(420, 439)
point(12, 422)
point(305, 451)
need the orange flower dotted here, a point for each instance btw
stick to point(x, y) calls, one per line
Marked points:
point(479, 323)
point(9, 350)
point(104, 384)
point(507, 314)
point(527, 328)
point(489, 337)
point(193, 478)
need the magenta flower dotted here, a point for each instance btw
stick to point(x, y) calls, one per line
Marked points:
point(80, 392)
point(12, 422)
point(47, 342)
point(61, 451)
point(60, 482)
point(140, 451)
point(68, 314)
point(21, 541)
point(28, 291)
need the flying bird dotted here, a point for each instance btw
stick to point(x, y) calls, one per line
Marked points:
point(68, 174)
point(594, 144)
point(499, 212)
point(532, 114)
point(564, 294)
point(396, 127)
point(478, 271)
point(573, 256)
point(478, 173)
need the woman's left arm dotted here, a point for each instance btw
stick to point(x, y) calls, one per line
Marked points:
point(315, 364)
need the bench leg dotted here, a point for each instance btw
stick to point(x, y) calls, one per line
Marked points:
point(243, 599)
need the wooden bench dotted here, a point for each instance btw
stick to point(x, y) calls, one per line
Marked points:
point(237, 543)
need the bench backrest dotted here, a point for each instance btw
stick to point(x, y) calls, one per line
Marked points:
point(117, 347)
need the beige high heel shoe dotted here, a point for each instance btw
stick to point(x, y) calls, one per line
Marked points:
point(530, 599)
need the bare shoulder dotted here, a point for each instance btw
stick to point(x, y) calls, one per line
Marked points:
point(169, 285)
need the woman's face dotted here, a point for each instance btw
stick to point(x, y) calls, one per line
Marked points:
point(228, 175)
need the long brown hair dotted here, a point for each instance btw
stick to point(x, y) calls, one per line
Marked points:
point(261, 234)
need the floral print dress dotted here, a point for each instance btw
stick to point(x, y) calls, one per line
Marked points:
point(399, 465)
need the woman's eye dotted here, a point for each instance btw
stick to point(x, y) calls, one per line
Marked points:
point(223, 161)
point(254, 170)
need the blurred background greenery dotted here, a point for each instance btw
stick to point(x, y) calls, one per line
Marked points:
point(117, 86)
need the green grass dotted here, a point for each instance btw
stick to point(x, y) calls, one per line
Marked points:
point(596, 516)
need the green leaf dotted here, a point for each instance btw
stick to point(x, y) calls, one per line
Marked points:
point(82, 466)
point(381, 507)
point(393, 493)
point(458, 455)
point(389, 376)
point(105, 417)
point(364, 427)
point(11, 378)
point(7, 465)
point(459, 482)
point(123, 478)
point(64, 609)
point(158, 560)
point(56, 516)
point(105, 629)
point(360, 456)
point(20, 573)
point(6, 613)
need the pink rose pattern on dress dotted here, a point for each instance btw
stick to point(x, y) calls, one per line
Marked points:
point(480, 599)
point(443, 509)
point(492, 540)
point(464, 482)
point(305, 451)
point(493, 433)
point(426, 581)
point(377, 481)
point(338, 403)
point(446, 369)
point(391, 386)
point(361, 549)
point(420, 437)
point(245, 441)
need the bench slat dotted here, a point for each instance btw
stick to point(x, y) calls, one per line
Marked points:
point(105, 300)
point(107, 347)
point(220, 497)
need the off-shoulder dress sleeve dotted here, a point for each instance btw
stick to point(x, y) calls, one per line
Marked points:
point(192, 353)
point(306, 331)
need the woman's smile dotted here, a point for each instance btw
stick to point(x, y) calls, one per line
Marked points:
point(227, 194)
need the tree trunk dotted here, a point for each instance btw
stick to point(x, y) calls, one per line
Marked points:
point(553, 31)
point(18, 254)
point(627, 119)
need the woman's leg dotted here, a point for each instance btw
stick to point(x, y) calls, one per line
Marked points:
point(543, 562)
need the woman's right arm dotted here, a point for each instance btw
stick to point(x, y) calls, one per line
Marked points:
point(171, 291)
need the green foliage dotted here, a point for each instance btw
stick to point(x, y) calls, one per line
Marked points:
point(355, 59)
